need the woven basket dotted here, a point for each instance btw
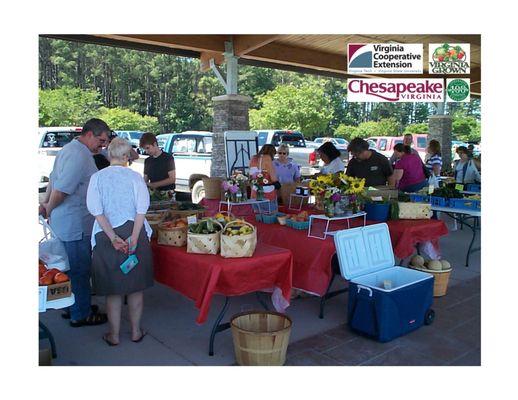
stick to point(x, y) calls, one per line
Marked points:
point(155, 219)
point(172, 236)
point(260, 338)
point(198, 243)
point(212, 188)
point(239, 245)
point(440, 280)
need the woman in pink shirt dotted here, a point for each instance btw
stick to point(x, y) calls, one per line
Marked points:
point(408, 170)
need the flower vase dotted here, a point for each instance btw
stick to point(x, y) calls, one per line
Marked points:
point(260, 194)
point(319, 203)
point(244, 196)
point(330, 209)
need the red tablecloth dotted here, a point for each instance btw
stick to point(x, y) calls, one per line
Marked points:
point(312, 257)
point(200, 276)
point(406, 233)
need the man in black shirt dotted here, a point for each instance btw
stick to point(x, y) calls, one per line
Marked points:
point(159, 169)
point(369, 164)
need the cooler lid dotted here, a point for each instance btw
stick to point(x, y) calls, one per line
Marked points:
point(364, 250)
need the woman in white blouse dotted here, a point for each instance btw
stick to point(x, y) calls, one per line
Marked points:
point(330, 155)
point(118, 199)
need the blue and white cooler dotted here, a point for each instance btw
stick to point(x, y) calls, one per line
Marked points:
point(385, 301)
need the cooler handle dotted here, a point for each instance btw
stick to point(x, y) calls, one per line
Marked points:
point(360, 287)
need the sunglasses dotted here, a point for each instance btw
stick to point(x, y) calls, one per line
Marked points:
point(280, 152)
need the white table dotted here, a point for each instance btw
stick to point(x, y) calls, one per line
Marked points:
point(301, 202)
point(329, 219)
point(466, 214)
point(251, 202)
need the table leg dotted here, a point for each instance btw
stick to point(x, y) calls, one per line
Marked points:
point(328, 295)
point(474, 230)
point(218, 327)
point(260, 300)
point(46, 334)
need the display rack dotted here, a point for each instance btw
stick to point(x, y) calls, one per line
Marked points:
point(253, 203)
point(328, 220)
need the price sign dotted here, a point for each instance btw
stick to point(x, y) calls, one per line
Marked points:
point(459, 187)
point(191, 219)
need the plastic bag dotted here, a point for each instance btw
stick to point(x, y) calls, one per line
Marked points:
point(433, 181)
point(51, 249)
point(428, 250)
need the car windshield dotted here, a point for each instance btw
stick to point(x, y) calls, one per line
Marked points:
point(294, 140)
point(135, 135)
point(341, 141)
point(58, 139)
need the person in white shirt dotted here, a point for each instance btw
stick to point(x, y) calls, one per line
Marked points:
point(330, 155)
point(118, 198)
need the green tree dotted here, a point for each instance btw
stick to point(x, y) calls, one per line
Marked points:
point(346, 131)
point(465, 128)
point(121, 119)
point(416, 128)
point(67, 106)
point(305, 108)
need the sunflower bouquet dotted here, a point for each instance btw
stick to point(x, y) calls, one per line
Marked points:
point(336, 191)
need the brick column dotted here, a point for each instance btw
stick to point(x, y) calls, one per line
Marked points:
point(439, 127)
point(230, 114)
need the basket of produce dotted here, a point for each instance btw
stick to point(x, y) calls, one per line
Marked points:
point(299, 221)
point(271, 218)
point(224, 217)
point(440, 269)
point(441, 197)
point(468, 203)
point(238, 239)
point(419, 198)
point(185, 209)
point(154, 219)
point(414, 210)
point(203, 237)
point(173, 233)
point(282, 218)
point(57, 282)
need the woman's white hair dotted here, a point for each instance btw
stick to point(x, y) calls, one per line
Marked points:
point(284, 147)
point(118, 148)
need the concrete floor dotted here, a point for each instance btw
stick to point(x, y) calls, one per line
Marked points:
point(175, 339)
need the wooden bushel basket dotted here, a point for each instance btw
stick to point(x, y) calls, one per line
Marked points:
point(440, 280)
point(155, 219)
point(172, 236)
point(239, 245)
point(212, 188)
point(261, 337)
point(199, 243)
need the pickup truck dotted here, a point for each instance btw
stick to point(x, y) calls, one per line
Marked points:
point(192, 151)
point(50, 141)
point(302, 152)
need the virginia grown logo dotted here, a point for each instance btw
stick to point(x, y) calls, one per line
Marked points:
point(449, 58)
point(457, 90)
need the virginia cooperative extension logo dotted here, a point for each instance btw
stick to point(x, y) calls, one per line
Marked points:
point(453, 58)
point(385, 58)
point(395, 90)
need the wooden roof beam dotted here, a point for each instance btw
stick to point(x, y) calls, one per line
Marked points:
point(244, 44)
point(201, 43)
point(205, 58)
point(288, 55)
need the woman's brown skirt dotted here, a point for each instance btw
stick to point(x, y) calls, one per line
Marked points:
point(107, 277)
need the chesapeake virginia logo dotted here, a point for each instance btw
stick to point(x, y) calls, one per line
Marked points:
point(385, 58)
point(452, 58)
point(395, 90)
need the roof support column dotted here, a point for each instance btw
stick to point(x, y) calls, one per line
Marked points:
point(230, 81)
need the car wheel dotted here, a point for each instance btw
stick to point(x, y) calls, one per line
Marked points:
point(198, 192)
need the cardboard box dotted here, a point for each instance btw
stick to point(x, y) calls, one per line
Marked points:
point(59, 290)
point(386, 192)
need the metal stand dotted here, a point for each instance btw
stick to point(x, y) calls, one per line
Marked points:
point(328, 221)
point(252, 203)
point(328, 295)
point(301, 203)
point(219, 327)
point(46, 334)
point(475, 226)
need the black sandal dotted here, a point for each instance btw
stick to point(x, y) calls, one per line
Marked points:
point(93, 307)
point(92, 319)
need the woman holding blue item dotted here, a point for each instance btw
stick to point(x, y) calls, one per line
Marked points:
point(122, 262)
